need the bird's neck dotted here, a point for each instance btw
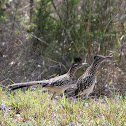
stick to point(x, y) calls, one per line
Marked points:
point(72, 71)
point(92, 70)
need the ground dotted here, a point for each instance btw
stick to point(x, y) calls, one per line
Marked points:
point(36, 108)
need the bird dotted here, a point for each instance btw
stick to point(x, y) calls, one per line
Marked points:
point(57, 84)
point(86, 82)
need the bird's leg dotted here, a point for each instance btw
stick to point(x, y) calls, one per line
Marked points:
point(86, 96)
point(54, 94)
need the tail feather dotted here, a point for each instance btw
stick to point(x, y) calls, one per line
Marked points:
point(27, 84)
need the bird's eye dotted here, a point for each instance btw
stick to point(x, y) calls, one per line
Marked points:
point(76, 64)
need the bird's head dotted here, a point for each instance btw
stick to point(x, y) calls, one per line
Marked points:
point(78, 62)
point(100, 58)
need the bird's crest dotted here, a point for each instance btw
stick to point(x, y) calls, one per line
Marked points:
point(77, 59)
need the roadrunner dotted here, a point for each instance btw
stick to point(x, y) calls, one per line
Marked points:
point(57, 84)
point(86, 82)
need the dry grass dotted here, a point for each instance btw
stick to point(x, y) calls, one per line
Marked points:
point(36, 108)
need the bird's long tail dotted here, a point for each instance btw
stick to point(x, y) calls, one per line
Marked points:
point(27, 84)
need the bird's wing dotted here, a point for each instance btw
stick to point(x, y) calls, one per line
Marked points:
point(84, 83)
point(58, 81)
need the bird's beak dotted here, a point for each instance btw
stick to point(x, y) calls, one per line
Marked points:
point(84, 64)
point(108, 57)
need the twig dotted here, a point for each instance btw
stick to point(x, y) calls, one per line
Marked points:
point(46, 70)
point(53, 49)
point(45, 44)
point(57, 62)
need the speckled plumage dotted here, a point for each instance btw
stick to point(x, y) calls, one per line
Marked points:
point(86, 82)
point(56, 84)
point(58, 81)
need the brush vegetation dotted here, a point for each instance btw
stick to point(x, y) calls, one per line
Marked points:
point(36, 108)
point(40, 38)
